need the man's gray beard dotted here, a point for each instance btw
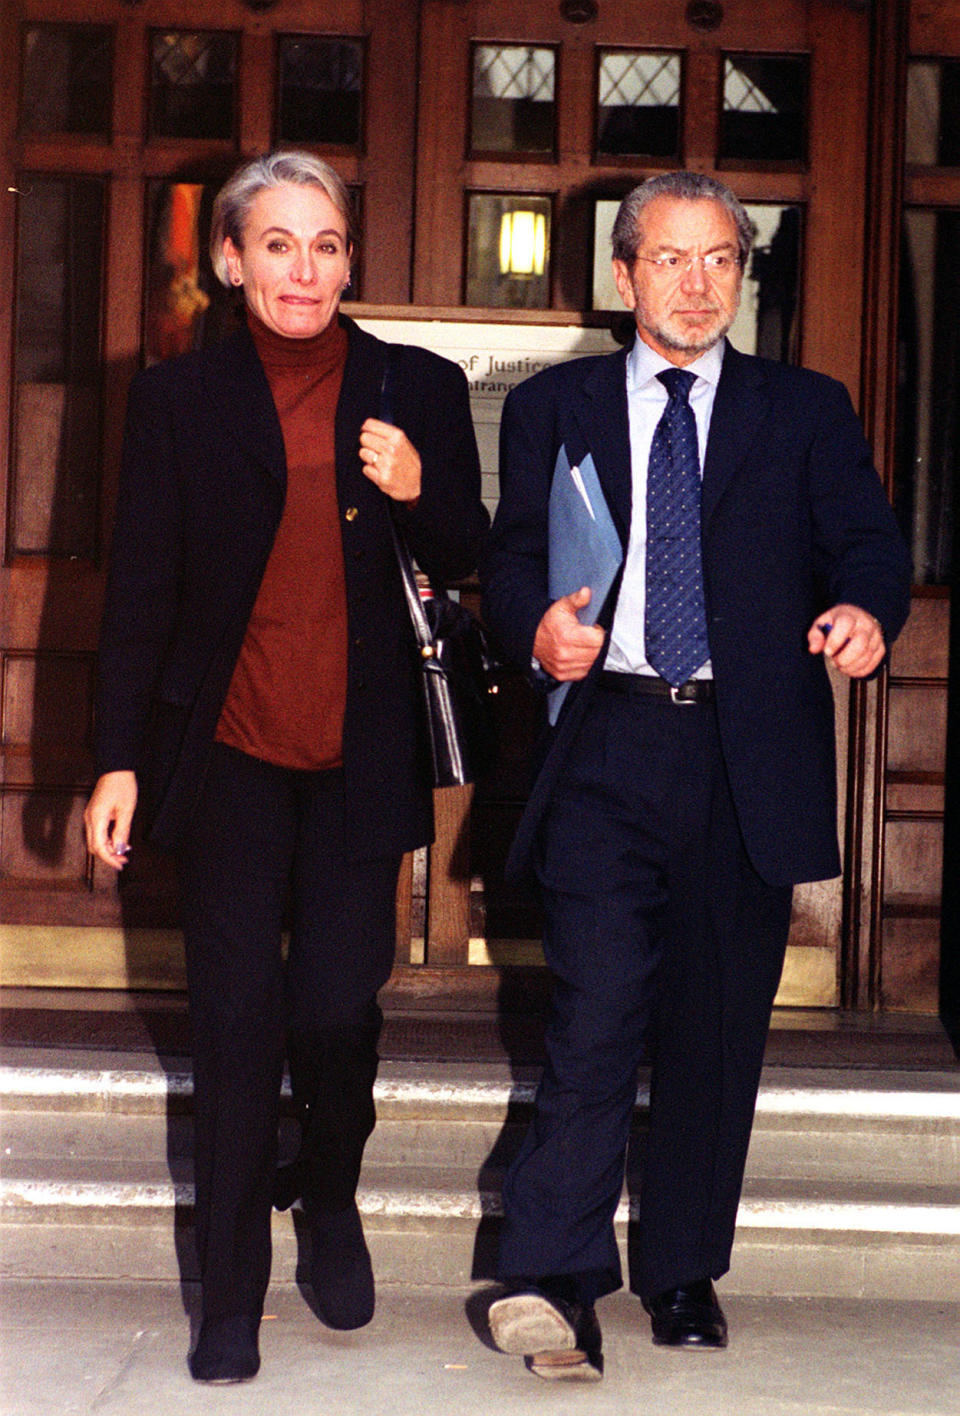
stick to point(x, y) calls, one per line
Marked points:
point(683, 344)
point(693, 343)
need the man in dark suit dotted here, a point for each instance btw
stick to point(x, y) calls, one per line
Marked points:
point(689, 781)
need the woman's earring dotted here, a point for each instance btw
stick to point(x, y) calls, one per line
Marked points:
point(237, 279)
point(346, 283)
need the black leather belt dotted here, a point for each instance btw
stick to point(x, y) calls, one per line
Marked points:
point(693, 691)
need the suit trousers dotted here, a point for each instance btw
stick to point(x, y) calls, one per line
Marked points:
point(266, 845)
point(662, 940)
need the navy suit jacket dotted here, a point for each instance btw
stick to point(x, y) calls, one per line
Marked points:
point(202, 490)
point(794, 520)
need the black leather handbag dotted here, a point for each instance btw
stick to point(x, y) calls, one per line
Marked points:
point(457, 665)
point(458, 676)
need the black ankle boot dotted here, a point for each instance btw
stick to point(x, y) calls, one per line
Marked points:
point(226, 1350)
point(287, 1185)
point(341, 1273)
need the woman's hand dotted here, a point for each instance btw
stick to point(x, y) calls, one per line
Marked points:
point(108, 816)
point(390, 460)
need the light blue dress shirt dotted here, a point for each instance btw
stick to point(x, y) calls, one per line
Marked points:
point(646, 400)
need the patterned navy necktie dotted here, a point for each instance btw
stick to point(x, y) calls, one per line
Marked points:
point(675, 621)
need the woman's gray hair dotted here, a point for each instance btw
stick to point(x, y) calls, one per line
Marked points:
point(232, 204)
point(690, 187)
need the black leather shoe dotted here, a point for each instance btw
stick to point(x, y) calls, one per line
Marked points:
point(341, 1273)
point(559, 1337)
point(226, 1350)
point(689, 1316)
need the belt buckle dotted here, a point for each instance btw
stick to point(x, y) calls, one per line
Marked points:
point(675, 698)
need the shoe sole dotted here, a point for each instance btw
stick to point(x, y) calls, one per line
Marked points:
point(570, 1366)
point(224, 1381)
point(692, 1344)
point(528, 1325)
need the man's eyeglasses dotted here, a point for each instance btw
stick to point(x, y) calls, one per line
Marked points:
point(714, 263)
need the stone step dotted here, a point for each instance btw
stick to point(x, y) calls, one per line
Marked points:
point(901, 1150)
point(102, 1190)
point(836, 1124)
point(94, 1082)
point(425, 1226)
point(851, 1187)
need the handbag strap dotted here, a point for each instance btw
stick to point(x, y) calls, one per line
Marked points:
point(421, 626)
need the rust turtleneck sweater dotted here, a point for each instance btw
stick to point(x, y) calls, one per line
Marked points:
point(288, 693)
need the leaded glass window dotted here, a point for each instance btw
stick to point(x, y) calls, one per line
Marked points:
point(638, 103)
point(513, 106)
point(58, 369)
point(933, 113)
point(178, 281)
point(192, 83)
point(508, 251)
point(320, 90)
point(928, 393)
point(764, 114)
point(67, 79)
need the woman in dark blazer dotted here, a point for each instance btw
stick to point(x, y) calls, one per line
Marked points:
point(258, 695)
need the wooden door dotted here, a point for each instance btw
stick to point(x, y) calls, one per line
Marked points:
point(446, 118)
point(560, 109)
point(908, 958)
point(117, 123)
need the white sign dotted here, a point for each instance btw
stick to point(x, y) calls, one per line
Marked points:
point(495, 358)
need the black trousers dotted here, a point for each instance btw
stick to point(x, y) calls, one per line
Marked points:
point(658, 932)
point(264, 840)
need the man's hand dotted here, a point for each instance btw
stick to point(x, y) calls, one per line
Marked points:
point(565, 647)
point(849, 636)
point(108, 816)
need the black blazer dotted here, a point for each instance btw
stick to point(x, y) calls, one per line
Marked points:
point(794, 520)
point(201, 495)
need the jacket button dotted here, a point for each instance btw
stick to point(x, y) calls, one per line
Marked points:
point(351, 513)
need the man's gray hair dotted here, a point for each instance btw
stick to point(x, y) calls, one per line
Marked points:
point(690, 187)
point(232, 204)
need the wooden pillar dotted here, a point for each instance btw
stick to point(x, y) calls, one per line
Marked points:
point(448, 880)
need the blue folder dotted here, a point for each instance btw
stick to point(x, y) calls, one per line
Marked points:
point(584, 547)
